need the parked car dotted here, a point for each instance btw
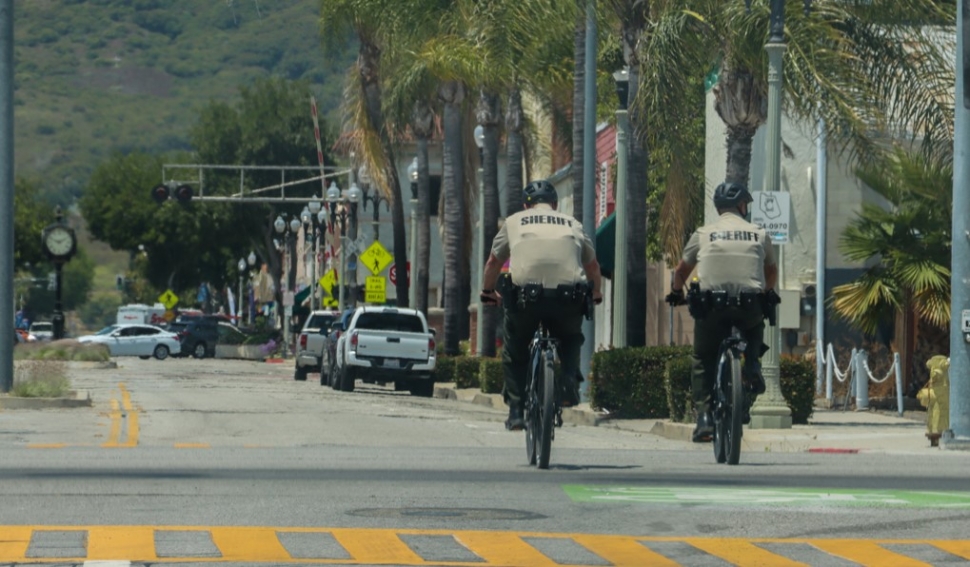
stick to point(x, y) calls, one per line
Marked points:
point(198, 335)
point(384, 345)
point(42, 330)
point(311, 342)
point(330, 349)
point(143, 341)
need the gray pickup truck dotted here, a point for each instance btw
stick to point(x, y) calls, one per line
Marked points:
point(384, 345)
point(310, 344)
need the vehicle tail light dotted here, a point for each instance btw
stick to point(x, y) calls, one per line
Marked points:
point(303, 342)
point(353, 341)
point(430, 346)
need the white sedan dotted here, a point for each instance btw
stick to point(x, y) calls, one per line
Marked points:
point(136, 340)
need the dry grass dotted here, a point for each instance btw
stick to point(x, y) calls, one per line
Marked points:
point(63, 350)
point(40, 379)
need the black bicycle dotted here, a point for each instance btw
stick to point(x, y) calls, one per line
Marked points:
point(543, 412)
point(728, 400)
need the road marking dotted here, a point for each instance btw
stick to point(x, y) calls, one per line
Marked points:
point(191, 445)
point(107, 545)
point(132, 417)
point(124, 422)
point(47, 446)
point(817, 497)
point(115, 432)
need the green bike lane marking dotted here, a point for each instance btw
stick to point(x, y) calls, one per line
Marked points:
point(741, 496)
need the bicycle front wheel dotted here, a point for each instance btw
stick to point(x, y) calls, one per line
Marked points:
point(547, 412)
point(735, 392)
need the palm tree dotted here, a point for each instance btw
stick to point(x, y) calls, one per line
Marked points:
point(489, 116)
point(375, 22)
point(907, 250)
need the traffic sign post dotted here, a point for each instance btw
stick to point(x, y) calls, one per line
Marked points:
point(168, 299)
point(771, 210)
point(375, 289)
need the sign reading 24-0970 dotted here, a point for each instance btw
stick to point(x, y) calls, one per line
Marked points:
point(771, 210)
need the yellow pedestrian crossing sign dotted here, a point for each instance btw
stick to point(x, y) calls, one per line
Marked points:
point(375, 289)
point(328, 280)
point(168, 299)
point(376, 257)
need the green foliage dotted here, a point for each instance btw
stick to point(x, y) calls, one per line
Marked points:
point(467, 369)
point(798, 387)
point(31, 215)
point(492, 378)
point(100, 310)
point(444, 369)
point(63, 350)
point(629, 382)
point(40, 379)
point(677, 382)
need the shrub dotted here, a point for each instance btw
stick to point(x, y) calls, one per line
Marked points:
point(798, 387)
point(492, 378)
point(677, 378)
point(40, 379)
point(444, 369)
point(629, 382)
point(62, 350)
point(467, 369)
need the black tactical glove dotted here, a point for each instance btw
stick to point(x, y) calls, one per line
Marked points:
point(675, 298)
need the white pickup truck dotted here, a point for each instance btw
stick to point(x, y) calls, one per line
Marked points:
point(310, 345)
point(384, 345)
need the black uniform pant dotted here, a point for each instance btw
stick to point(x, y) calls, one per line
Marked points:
point(709, 332)
point(563, 320)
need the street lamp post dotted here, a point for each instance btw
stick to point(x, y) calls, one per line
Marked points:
point(479, 261)
point(770, 410)
point(374, 197)
point(239, 307)
point(618, 305)
point(288, 231)
point(312, 219)
point(413, 252)
point(251, 260)
point(336, 198)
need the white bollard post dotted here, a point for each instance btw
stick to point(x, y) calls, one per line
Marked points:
point(899, 383)
point(829, 372)
point(862, 384)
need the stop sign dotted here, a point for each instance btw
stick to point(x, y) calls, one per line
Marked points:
point(393, 273)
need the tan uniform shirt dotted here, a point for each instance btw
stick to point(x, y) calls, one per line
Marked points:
point(731, 254)
point(545, 246)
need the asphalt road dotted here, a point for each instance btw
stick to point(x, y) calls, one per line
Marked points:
point(232, 461)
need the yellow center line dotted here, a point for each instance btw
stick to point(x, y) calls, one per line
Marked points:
point(191, 445)
point(132, 417)
point(115, 432)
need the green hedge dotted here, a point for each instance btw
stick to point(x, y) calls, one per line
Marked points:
point(492, 379)
point(798, 387)
point(629, 382)
point(444, 369)
point(677, 376)
point(467, 369)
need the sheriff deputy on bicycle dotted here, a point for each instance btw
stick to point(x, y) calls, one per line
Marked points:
point(737, 272)
point(553, 275)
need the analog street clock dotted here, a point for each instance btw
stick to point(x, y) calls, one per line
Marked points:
point(59, 242)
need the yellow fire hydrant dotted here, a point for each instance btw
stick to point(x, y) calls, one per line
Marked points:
point(935, 397)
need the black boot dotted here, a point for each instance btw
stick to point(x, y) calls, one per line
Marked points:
point(704, 432)
point(754, 381)
point(515, 422)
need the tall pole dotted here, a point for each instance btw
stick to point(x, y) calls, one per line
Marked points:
point(342, 283)
point(479, 263)
point(313, 264)
point(589, 176)
point(771, 411)
point(239, 305)
point(958, 436)
point(413, 255)
point(6, 196)
point(821, 229)
point(619, 252)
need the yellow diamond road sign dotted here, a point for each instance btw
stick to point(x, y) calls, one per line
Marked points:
point(375, 289)
point(376, 257)
point(168, 299)
point(328, 280)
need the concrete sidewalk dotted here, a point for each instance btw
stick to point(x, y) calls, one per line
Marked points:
point(828, 430)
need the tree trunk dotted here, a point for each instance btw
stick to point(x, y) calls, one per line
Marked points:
point(368, 60)
point(423, 124)
point(636, 205)
point(514, 119)
point(488, 116)
point(740, 100)
point(579, 108)
point(451, 94)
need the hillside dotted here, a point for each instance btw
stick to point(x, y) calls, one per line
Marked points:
point(98, 76)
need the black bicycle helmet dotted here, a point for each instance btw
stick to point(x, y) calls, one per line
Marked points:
point(731, 195)
point(540, 192)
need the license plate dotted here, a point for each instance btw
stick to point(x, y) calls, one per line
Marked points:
point(392, 362)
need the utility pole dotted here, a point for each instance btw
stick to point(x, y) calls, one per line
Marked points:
point(958, 436)
point(619, 254)
point(6, 196)
point(589, 176)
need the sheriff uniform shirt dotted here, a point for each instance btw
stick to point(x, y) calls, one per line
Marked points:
point(546, 247)
point(731, 254)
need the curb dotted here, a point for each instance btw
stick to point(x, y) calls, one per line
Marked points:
point(80, 398)
point(572, 416)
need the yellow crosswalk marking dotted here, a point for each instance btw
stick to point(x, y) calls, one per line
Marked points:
point(740, 552)
point(372, 546)
point(122, 542)
point(376, 546)
point(866, 553)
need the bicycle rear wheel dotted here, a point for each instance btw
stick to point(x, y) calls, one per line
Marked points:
point(547, 412)
point(532, 403)
point(729, 411)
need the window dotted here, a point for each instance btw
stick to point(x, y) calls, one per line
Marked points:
point(390, 322)
point(320, 321)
